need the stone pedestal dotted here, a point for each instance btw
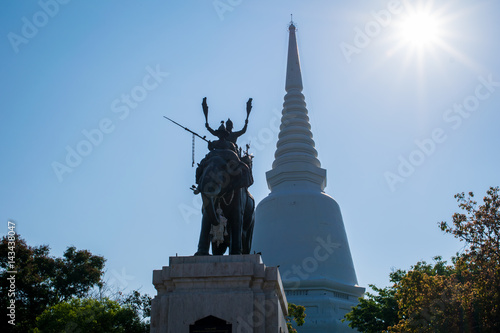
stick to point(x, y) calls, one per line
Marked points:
point(218, 294)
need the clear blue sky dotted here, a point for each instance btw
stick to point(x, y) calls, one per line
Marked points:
point(374, 95)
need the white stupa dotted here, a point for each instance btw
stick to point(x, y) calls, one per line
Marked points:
point(298, 226)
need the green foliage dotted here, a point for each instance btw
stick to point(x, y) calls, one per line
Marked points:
point(478, 268)
point(376, 312)
point(423, 297)
point(90, 315)
point(296, 313)
point(463, 297)
point(53, 293)
point(42, 281)
point(140, 304)
point(77, 272)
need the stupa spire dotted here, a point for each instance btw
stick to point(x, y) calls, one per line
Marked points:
point(297, 219)
point(296, 159)
point(293, 73)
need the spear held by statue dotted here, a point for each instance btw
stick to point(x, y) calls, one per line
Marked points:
point(187, 129)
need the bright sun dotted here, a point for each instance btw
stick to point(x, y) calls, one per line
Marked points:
point(418, 32)
point(422, 35)
point(419, 29)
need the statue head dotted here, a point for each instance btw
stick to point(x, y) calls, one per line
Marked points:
point(221, 132)
point(229, 125)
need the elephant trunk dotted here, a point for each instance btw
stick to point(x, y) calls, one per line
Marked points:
point(212, 190)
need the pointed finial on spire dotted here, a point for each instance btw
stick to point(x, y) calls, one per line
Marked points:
point(291, 26)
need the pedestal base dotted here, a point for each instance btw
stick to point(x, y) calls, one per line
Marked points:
point(218, 294)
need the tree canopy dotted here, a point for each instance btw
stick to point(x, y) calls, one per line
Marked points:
point(461, 297)
point(65, 294)
point(43, 281)
point(376, 312)
point(90, 315)
point(296, 313)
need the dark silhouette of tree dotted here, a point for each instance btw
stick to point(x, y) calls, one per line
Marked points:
point(42, 281)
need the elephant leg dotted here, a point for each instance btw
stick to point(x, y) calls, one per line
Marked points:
point(236, 224)
point(206, 223)
point(248, 224)
point(248, 234)
point(236, 238)
point(219, 250)
point(204, 242)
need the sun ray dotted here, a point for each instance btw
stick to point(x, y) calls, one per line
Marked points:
point(459, 56)
point(424, 35)
point(422, 44)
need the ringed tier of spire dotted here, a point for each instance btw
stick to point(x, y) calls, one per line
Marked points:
point(295, 147)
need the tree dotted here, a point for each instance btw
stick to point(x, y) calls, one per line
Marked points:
point(478, 268)
point(424, 299)
point(296, 313)
point(468, 298)
point(90, 315)
point(42, 281)
point(462, 297)
point(140, 304)
point(376, 312)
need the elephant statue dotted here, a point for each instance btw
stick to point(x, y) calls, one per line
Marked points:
point(228, 208)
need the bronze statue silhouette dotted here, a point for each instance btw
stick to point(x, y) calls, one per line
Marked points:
point(223, 135)
point(231, 136)
point(222, 179)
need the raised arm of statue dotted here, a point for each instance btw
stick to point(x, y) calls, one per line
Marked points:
point(242, 131)
point(210, 129)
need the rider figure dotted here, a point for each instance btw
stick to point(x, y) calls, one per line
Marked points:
point(229, 135)
point(233, 136)
point(223, 135)
point(226, 133)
